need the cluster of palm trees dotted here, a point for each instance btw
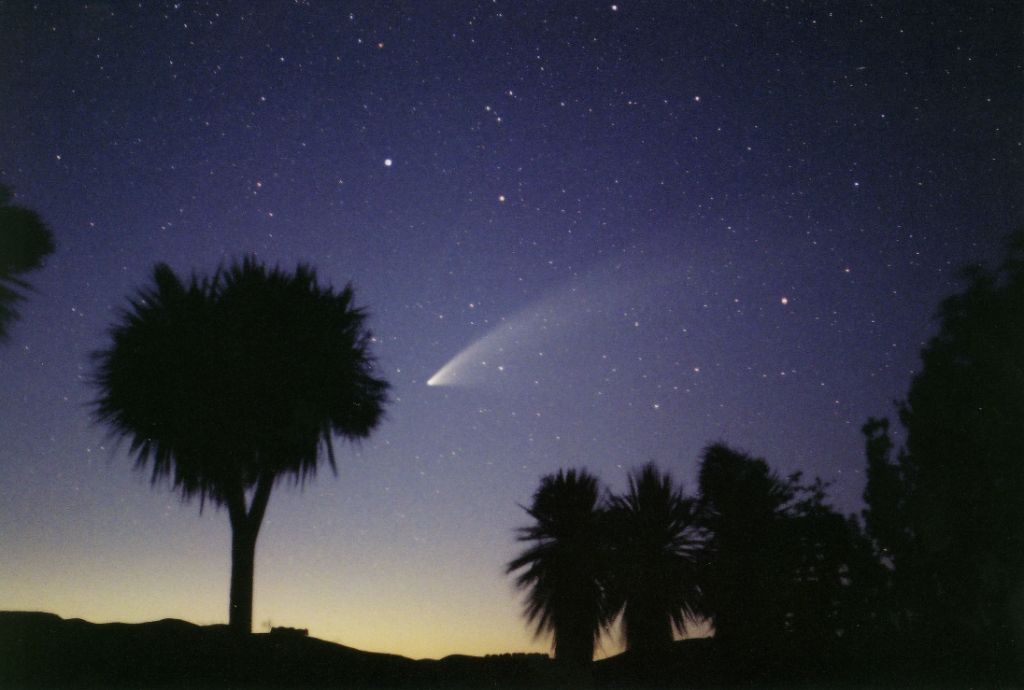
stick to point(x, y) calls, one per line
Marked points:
point(595, 558)
point(756, 555)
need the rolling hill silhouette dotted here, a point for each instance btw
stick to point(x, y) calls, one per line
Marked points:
point(43, 650)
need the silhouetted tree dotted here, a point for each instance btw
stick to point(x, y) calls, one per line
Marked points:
point(565, 568)
point(887, 527)
point(959, 522)
point(656, 543)
point(228, 384)
point(884, 494)
point(741, 502)
point(25, 242)
point(782, 569)
point(835, 579)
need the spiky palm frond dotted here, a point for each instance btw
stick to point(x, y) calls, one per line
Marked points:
point(216, 382)
point(657, 544)
point(25, 242)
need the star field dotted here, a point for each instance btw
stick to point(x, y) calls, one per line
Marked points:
point(649, 226)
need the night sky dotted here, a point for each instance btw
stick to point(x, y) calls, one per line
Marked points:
point(605, 233)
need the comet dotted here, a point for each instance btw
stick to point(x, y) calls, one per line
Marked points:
point(556, 323)
point(467, 366)
point(488, 354)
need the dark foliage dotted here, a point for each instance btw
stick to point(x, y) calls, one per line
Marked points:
point(656, 544)
point(565, 569)
point(779, 573)
point(887, 529)
point(25, 242)
point(885, 520)
point(741, 504)
point(782, 570)
point(225, 385)
point(835, 579)
point(949, 513)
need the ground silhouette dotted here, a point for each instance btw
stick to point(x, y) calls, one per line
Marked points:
point(42, 650)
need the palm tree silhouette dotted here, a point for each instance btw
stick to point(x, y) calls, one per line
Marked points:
point(25, 242)
point(565, 570)
point(226, 385)
point(656, 543)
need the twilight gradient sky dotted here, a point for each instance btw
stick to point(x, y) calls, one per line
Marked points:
point(669, 223)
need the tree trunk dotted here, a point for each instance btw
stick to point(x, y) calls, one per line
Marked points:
point(243, 561)
point(245, 527)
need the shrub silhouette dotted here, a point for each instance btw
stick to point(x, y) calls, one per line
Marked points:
point(226, 385)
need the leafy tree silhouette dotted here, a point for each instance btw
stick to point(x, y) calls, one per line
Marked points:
point(834, 576)
point(782, 570)
point(565, 570)
point(656, 545)
point(741, 503)
point(228, 384)
point(884, 494)
point(25, 242)
point(952, 510)
point(887, 528)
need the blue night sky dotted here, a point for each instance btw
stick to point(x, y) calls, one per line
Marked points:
point(609, 233)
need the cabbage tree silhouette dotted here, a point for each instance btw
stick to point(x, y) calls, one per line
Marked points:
point(565, 570)
point(25, 242)
point(226, 385)
point(657, 544)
